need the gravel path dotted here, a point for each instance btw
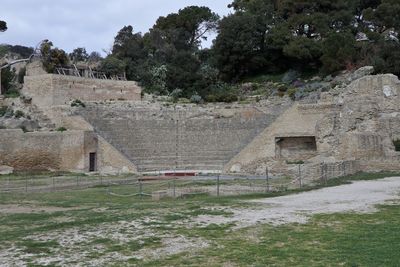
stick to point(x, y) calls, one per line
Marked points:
point(360, 196)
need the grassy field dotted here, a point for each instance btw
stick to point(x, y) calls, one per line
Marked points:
point(91, 228)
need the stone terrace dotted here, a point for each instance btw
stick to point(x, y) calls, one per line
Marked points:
point(156, 137)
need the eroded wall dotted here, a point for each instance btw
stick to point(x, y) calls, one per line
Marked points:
point(182, 137)
point(66, 151)
point(357, 123)
point(49, 90)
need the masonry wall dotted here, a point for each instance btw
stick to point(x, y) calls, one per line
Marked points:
point(167, 139)
point(299, 120)
point(66, 151)
point(52, 90)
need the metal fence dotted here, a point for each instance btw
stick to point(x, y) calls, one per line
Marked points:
point(159, 187)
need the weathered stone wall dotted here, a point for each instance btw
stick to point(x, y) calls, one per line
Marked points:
point(299, 120)
point(357, 123)
point(66, 151)
point(183, 138)
point(51, 90)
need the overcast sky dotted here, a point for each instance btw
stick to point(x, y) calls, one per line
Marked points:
point(92, 24)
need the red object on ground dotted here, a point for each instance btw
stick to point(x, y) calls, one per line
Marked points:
point(180, 174)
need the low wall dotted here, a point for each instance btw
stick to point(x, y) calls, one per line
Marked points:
point(66, 151)
point(51, 90)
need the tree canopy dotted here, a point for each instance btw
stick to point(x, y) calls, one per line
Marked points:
point(258, 37)
point(3, 26)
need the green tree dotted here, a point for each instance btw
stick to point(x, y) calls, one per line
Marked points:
point(187, 28)
point(95, 57)
point(3, 26)
point(53, 57)
point(112, 66)
point(339, 50)
point(79, 54)
point(7, 78)
point(385, 16)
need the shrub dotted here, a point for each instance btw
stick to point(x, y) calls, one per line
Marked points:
point(211, 98)
point(12, 93)
point(61, 129)
point(19, 114)
point(228, 98)
point(3, 110)
point(77, 103)
point(292, 93)
point(176, 94)
point(196, 99)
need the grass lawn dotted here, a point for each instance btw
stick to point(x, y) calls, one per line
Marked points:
point(91, 228)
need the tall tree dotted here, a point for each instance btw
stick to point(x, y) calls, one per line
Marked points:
point(53, 57)
point(187, 28)
point(3, 26)
point(79, 54)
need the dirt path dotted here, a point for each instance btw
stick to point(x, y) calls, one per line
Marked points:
point(360, 196)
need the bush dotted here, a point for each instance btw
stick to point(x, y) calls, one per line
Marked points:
point(196, 99)
point(211, 98)
point(12, 93)
point(61, 129)
point(3, 111)
point(77, 103)
point(19, 114)
point(228, 98)
point(292, 93)
point(176, 94)
point(290, 76)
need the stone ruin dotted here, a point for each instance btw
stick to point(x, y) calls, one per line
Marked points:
point(351, 127)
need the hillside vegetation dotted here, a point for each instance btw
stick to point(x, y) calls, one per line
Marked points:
point(285, 41)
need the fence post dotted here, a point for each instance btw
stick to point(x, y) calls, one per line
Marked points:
point(218, 185)
point(26, 184)
point(173, 184)
point(140, 189)
point(54, 186)
point(77, 181)
point(300, 176)
point(267, 177)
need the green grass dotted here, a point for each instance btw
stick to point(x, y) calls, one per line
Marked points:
point(37, 247)
point(326, 240)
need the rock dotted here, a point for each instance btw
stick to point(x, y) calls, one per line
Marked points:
point(290, 76)
point(361, 72)
point(328, 78)
point(4, 170)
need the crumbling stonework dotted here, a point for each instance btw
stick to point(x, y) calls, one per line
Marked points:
point(51, 89)
point(357, 124)
point(47, 150)
point(182, 137)
point(349, 128)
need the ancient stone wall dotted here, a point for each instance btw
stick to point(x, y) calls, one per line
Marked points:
point(356, 123)
point(298, 121)
point(66, 151)
point(182, 138)
point(51, 90)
